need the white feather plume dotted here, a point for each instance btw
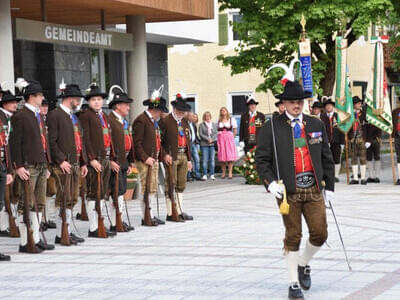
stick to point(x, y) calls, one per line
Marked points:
point(62, 85)
point(7, 86)
point(113, 91)
point(90, 87)
point(289, 70)
point(157, 93)
point(21, 84)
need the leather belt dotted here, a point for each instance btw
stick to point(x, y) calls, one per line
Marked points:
point(305, 180)
point(181, 149)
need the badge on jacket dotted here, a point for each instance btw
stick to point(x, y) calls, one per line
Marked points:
point(315, 137)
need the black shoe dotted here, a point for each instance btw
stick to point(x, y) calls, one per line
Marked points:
point(51, 224)
point(43, 226)
point(93, 234)
point(44, 247)
point(5, 233)
point(353, 181)
point(186, 217)
point(4, 257)
point(57, 240)
point(113, 229)
point(398, 182)
point(304, 277)
point(337, 179)
point(76, 238)
point(377, 180)
point(363, 182)
point(197, 178)
point(370, 180)
point(127, 227)
point(24, 249)
point(111, 233)
point(153, 223)
point(159, 221)
point(78, 216)
point(295, 292)
point(169, 218)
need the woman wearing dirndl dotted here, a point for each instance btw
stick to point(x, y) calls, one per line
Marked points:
point(227, 128)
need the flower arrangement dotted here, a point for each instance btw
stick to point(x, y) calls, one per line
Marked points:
point(249, 168)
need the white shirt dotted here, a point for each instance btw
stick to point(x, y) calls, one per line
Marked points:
point(192, 133)
point(66, 109)
point(300, 117)
point(330, 115)
point(32, 108)
point(228, 123)
point(120, 119)
point(8, 114)
point(252, 114)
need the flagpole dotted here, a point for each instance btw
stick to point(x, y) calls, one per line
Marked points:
point(392, 158)
point(346, 141)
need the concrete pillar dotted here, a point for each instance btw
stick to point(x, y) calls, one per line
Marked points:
point(137, 64)
point(6, 56)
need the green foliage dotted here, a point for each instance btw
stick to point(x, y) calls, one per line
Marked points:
point(274, 31)
point(249, 168)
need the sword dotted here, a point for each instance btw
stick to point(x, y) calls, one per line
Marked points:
point(338, 229)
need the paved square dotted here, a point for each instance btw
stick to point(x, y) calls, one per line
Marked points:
point(232, 250)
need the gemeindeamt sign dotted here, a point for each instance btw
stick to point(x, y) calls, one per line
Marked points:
point(71, 35)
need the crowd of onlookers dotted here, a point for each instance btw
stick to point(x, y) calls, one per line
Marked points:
point(209, 138)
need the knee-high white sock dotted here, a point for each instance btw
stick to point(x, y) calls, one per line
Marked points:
point(180, 203)
point(398, 170)
point(23, 232)
point(370, 166)
point(169, 206)
point(292, 260)
point(355, 172)
point(363, 171)
point(4, 221)
point(50, 208)
point(121, 204)
point(59, 223)
point(14, 210)
point(377, 168)
point(112, 211)
point(309, 252)
point(92, 215)
point(337, 170)
point(35, 225)
point(68, 214)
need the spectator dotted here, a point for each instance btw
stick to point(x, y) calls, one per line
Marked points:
point(227, 128)
point(208, 136)
point(195, 173)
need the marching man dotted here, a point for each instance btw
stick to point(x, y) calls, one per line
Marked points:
point(123, 150)
point(68, 155)
point(250, 124)
point(148, 150)
point(176, 144)
point(396, 136)
point(294, 134)
point(335, 136)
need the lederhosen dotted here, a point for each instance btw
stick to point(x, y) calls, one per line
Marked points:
point(357, 143)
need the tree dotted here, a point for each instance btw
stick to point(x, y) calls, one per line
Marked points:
point(270, 31)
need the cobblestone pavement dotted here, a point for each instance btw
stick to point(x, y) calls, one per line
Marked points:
point(232, 250)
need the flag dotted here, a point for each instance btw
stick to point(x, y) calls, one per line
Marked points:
point(341, 90)
point(378, 103)
point(306, 70)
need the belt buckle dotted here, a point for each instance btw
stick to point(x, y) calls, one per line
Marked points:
point(305, 180)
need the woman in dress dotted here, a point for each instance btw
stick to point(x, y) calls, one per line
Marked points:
point(208, 136)
point(227, 128)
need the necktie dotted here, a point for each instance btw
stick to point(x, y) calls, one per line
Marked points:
point(155, 124)
point(180, 128)
point(125, 122)
point(297, 129)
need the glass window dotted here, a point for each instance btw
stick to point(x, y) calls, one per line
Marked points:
point(238, 104)
point(192, 102)
point(237, 19)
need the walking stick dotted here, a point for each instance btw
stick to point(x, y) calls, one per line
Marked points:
point(392, 158)
point(346, 141)
point(338, 229)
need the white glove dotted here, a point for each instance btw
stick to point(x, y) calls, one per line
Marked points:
point(329, 195)
point(241, 145)
point(276, 189)
point(367, 145)
point(341, 148)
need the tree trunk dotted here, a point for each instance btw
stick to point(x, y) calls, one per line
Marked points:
point(328, 81)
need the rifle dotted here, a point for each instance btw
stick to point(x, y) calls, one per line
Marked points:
point(65, 239)
point(171, 195)
point(13, 227)
point(31, 247)
point(83, 215)
point(101, 229)
point(147, 216)
point(118, 215)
